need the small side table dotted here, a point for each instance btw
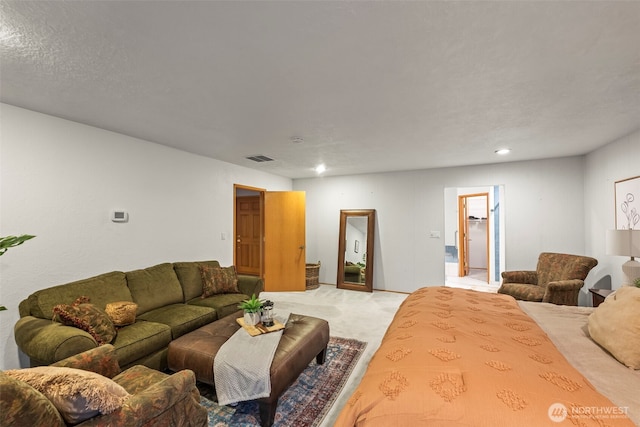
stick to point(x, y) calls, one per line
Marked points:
point(598, 295)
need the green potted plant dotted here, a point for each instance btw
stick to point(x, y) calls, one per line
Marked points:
point(637, 282)
point(251, 307)
point(9, 242)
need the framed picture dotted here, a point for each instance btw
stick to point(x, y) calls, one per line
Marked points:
point(356, 247)
point(627, 202)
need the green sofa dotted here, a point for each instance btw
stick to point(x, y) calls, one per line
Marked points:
point(170, 304)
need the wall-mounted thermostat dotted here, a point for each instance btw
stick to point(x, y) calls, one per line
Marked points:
point(119, 216)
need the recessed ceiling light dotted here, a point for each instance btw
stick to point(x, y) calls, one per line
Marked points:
point(320, 168)
point(503, 151)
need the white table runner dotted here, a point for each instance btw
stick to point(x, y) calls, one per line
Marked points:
point(242, 366)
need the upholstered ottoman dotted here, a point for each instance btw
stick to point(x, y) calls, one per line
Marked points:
point(303, 339)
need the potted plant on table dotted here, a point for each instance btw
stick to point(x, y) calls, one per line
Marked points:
point(251, 307)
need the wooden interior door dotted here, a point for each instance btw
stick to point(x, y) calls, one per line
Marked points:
point(248, 232)
point(284, 241)
point(464, 252)
point(463, 235)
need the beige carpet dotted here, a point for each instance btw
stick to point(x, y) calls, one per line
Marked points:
point(361, 315)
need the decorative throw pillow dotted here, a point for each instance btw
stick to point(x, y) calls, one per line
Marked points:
point(615, 325)
point(87, 317)
point(78, 395)
point(218, 280)
point(122, 313)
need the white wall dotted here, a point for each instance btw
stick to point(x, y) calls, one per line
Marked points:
point(614, 162)
point(61, 179)
point(544, 200)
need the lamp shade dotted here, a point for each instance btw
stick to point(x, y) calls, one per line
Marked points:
point(623, 242)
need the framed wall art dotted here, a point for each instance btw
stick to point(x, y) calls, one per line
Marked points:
point(627, 202)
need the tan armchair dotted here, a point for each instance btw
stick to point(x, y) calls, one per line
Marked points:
point(558, 279)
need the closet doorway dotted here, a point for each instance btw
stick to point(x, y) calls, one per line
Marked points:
point(474, 236)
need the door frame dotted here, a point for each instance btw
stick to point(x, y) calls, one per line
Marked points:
point(260, 192)
point(463, 226)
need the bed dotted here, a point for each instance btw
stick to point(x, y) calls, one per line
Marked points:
point(456, 357)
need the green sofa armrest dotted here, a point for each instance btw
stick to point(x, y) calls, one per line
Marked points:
point(46, 341)
point(101, 360)
point(563, 292)
point(250, 285)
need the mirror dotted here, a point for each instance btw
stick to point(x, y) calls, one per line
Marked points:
point(355, 250)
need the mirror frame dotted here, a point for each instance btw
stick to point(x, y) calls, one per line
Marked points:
point(371, 224)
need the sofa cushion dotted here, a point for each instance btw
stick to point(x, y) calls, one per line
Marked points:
point(87, 317)
point(139, 378)
point(189, 275)
point(154, 287)
point(139, 340)
point(103, 289)
point(523, 291)
point(218, 280)
point(23, 405)
point(78, 395)
point(223, 304)
point(181, 318)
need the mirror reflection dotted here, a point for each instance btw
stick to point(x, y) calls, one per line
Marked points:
point(355, 257)
point(355, 253)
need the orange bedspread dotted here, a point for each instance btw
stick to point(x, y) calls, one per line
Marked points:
point(453, 357)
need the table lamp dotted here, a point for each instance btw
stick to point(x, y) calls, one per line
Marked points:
point(626, 243)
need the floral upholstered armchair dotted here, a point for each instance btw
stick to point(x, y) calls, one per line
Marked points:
point(94, 392)
point(557, 279)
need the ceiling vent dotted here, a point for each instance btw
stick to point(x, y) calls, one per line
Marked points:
point(259, 158)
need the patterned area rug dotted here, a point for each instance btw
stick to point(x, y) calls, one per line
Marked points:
point(308, 399)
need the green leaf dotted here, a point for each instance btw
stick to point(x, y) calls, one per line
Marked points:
point(11, 241)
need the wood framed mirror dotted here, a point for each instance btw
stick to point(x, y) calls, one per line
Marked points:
point(355, 249)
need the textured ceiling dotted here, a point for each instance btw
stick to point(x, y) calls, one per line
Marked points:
point(368, 86)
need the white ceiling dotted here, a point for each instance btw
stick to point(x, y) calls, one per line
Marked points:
point(368, 86)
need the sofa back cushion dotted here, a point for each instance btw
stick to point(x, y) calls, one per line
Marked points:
point(154, 287)
point(102, 289)
point(189, 275)
point(553, 266)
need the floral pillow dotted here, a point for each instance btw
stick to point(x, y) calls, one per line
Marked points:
point(87, 317)
point(78, 395)
point(218, 280)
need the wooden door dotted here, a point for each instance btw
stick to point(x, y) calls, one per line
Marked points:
point(248, 231)
point(465, 236)
point(463, 226)
point(284, 241)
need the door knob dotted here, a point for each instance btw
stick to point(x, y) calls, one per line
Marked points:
point(302, 247)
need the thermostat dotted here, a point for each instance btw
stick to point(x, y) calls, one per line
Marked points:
point(119, 216)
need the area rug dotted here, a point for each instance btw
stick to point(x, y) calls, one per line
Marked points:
point(306, 402)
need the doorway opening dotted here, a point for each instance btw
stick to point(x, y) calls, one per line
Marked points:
point(269, 236)
point(248, 230)
point(474, 237)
